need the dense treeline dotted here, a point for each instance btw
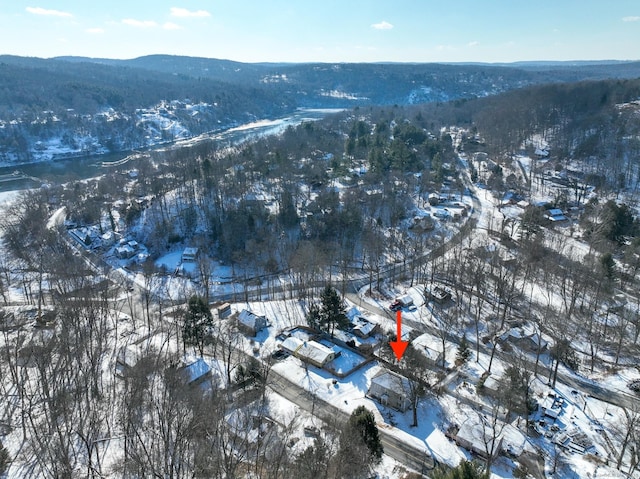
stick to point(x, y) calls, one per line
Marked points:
point(31, 86)
point(589, 127)
point(380, 83)
point(92, 105)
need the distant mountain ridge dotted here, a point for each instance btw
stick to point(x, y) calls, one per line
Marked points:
point(79, 105)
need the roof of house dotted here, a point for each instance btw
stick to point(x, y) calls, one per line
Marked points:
point(251, 320)
point(196, 370)
point(310, 350)
point(390, 381)
point(478, 435)
point(405, 299)
point(129, 355)
point(363, 325)
point(126, 249)
point(556, 214)
point(353, 313)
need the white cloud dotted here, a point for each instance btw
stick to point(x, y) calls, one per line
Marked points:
point(51, 13)
point(139, 23)
point(383, 25)
point(631, 19)
point(183, 13)
point(95, 31)
point(473, 44)
point(171, 26)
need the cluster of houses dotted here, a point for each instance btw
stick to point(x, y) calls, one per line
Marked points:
point(90, 237)
point(550, 422)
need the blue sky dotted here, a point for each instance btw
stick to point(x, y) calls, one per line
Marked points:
point(325, 30)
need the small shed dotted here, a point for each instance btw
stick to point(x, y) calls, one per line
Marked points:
point(189, 255)
point(251, 323)
point(223, 310)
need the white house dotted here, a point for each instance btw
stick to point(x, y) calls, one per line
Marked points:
point(251, 323)
point(390, 389)
point(309, 351)
point(478, 437)
point(125, 252)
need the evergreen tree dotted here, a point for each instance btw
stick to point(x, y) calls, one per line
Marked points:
point(464, 353)
point(313, 316)
point(608, 266)
point(287, 213)
point(198, 319)
point(363, 421)
point(313, 462)
point(332, 312)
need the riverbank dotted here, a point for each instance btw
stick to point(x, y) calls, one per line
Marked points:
point(29, 175)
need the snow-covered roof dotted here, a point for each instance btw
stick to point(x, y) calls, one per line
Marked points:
point(252, 320)
point(190, 252)
point(362, 325)
point(479, 436)
point(129, 355)
point(353, 313)
point(390, 381)
point(196, 370)
point(405, 299)
point(125, 250)
point(541, 152)
point(308, 350)
point(552, 406)
point(556, 214)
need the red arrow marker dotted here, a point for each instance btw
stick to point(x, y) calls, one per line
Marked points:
point(399, 346)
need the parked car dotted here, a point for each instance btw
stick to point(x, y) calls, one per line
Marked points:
point(395, 306)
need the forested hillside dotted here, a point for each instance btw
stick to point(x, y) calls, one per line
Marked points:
point(76, 106)
point(51, 108)
point(590, 127)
